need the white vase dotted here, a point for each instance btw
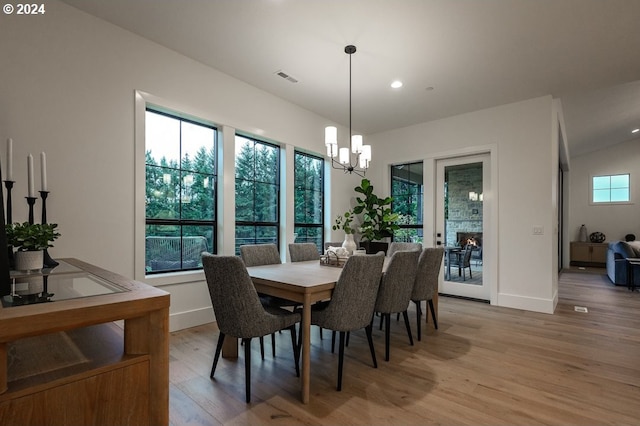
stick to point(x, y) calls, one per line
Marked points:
point(29, 260)
point(349, 244)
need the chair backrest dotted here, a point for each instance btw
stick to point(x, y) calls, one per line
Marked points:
point(397, 282)
point(260, 254)
point(466, 257)
point(426, 283)
point(354, 297)
point(300, 252)
point(397, 246)
point(332, 244)
point(234, 298)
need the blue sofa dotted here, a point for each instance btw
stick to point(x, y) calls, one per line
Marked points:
point(617, 265)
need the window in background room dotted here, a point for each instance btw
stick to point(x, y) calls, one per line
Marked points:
point(180, 192)
point(610, 189)
point(257, 192)
point(407, 192)
point(309, 199)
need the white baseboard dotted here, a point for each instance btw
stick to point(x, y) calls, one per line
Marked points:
point(535, 304)
point(188, 319)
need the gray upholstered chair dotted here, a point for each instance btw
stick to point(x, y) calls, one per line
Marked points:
point(396, 246)
point(352, 302)
point(426, 283)
point(395, 291)
point(300, 252)
point(239, 312)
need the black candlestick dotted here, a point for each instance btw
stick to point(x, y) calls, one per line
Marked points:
point(31, 201)
point(43, 195)
point(9, 185)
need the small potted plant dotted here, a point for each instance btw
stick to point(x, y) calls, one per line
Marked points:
point(344, 222)
point(30, 240)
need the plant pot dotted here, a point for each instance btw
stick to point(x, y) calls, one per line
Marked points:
point(349, 244)
point(29, 260)
point(372, 247)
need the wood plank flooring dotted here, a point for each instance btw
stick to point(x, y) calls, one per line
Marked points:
point(485, 365)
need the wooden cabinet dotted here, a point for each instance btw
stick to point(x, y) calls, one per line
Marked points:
point(66, 362)
point(589, 254)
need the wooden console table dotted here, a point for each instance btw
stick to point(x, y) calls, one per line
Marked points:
point(66, 362)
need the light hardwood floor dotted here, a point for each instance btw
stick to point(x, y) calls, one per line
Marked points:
point(484, 366)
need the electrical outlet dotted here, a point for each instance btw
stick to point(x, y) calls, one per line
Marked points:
point(538, 230)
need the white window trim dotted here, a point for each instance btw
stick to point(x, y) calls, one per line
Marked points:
point(609, 203)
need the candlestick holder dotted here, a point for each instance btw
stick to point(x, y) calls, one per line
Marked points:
point(48, 261)
point(9, 185)
point(31, 201)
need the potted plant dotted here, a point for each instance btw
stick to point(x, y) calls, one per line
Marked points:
point(30, 240)
point(378, 220)
point(344, 222)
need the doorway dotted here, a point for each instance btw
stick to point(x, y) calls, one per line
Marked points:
point(461, 222)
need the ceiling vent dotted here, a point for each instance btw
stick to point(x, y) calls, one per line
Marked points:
point(286, 76)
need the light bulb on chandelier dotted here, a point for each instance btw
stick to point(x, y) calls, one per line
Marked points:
point(357, 157)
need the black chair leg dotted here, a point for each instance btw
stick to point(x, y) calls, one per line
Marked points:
point(418, 315)
point(433, 314)
point(381, 320)
point(340, 360)
point(296, 356)
point(346, 343)
point(273, 344)
point(320, 333)
point(247, 368)
point(406, 323)
point(367, 329)
point(261, 347)
point(387, 335)
point(217, 355)
point(333, 342)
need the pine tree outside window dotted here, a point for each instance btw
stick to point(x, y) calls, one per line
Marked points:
point(407, 190)
point(309, 199)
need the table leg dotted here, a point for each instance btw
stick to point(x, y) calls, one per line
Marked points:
point(306, 348)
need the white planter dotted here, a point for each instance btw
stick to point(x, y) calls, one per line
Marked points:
point(29, 260)
point(349, 244)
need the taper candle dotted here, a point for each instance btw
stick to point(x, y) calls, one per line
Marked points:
point(10, 159)
point(43, 171)
point(31, 189)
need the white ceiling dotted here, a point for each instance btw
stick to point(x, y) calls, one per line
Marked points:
point(473, 53)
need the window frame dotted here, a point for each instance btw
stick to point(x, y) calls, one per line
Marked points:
point(321, 224)
point(276, 183)
point(180, 222)
point(419, 225)
point(609, 203)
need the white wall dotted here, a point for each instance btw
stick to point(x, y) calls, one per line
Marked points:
point(67, 88)
point(525, 159)
point(615, 221)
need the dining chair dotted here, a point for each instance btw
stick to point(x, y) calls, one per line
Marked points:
point(239, 312)
point(396, 246)
point(426, 283)
point(463, 261)
point(300, 252)
point(352, 302)
point(395, 291)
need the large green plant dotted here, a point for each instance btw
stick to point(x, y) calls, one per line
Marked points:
point(378, 220)
point(31, 236)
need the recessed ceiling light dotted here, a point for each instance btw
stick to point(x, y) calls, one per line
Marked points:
point(635, 131)
point(396, 84)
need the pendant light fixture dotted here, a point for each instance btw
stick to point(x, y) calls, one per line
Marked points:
point(355, 158)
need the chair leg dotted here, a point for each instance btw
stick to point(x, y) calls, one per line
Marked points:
point(346, 343)
point(261, 347)
point(296, 356)
point(333, 342)
point(470, 275)
point(247, 369)
point(340, 360)
point(381, 320)
point(418, 315)
point(387, 335)
point(320, 333)
point(433, 314)
point(217, 355)
point(406, 323)
point(273, 344)
point(367, 329)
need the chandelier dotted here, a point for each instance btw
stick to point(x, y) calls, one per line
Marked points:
point(355, 158)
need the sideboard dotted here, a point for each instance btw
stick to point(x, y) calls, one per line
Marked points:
point(95, 352)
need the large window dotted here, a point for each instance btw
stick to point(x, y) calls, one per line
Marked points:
point(610, 189)
point(309, 199)
point(180, 192)
point(407, 192)
point(257, 192)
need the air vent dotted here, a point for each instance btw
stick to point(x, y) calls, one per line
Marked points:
point(286, 76)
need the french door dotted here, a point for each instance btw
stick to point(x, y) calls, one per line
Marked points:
point(461, 221)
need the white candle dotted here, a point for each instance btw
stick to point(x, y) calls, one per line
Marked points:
point(30, 187)
point(10, 159)
point(43, 171)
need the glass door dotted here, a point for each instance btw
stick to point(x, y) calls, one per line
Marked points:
point(460, 221)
